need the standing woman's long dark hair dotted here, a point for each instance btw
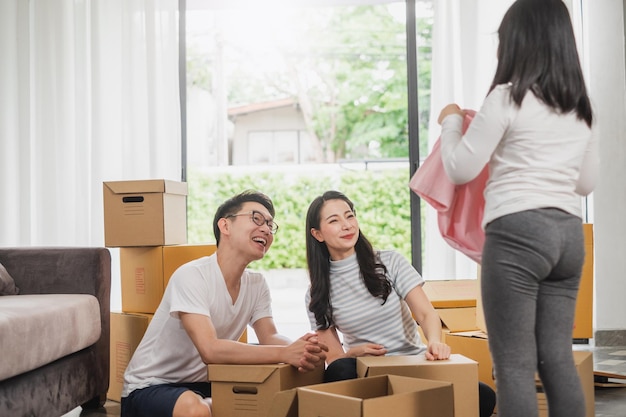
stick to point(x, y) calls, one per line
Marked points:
point(373, 271)
point(537, 52)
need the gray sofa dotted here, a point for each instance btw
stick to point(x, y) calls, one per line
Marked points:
point(54, 334)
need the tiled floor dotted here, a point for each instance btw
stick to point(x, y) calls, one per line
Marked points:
point(610, 402)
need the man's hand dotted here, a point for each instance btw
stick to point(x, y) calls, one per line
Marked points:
point(306, 353)
point(314, 353)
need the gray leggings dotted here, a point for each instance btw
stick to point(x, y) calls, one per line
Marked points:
point(530, 272)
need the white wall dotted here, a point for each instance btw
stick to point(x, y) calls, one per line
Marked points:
point(605, 59)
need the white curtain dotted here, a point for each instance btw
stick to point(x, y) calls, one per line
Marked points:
point(88, 93)
point(464, 60)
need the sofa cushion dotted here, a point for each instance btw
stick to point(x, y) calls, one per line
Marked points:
point(7, 285)
point(38, 329)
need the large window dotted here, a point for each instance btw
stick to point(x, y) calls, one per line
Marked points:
point(321, 84)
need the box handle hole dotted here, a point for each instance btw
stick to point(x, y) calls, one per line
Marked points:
point(133, 199)
point(245, 390)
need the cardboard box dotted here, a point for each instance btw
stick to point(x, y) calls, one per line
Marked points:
point(127, 330)
point(453, 320)
point(583, 320)
point(284, 404)
point(475, 345)
point(452, 293)
point(248, 390)
point(145, 272)
point(459, 370)
point(384, 395)
point(145, 213)
point(584, 366)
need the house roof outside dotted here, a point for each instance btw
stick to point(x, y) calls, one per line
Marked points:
point(264, 105)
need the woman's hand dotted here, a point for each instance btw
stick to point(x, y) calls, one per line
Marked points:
point(368, 349)
point(448, 110)
point(437, 351)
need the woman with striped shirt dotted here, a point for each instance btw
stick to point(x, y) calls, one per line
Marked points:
point(373, 298)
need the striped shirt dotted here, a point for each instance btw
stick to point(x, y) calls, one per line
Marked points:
point(362, 318)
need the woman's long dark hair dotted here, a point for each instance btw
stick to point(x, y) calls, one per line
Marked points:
point(537, 52)
point(373, 271)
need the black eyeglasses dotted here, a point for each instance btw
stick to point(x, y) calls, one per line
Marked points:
point(258, 219)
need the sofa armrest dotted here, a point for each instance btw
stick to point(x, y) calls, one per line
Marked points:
point(59, 270)
point(69, 270)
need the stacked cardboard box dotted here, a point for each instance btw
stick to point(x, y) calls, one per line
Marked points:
point(147, 221)
point(127, 329)
point(145, 213)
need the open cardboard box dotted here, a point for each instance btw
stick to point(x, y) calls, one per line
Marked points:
point(455, 302)
point(474, 345)
point(452, 293)
point(459, 370)
point(249, 390)
point(383, 395)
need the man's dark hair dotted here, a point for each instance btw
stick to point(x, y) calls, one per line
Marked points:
point(233, 205)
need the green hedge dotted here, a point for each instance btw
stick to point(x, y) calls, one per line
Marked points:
point(381, 199)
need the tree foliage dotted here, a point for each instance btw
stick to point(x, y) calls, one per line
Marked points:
point(381, 200)
point(347, 68)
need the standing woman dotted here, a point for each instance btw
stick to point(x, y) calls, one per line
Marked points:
point(534, 130)
point(373, 298)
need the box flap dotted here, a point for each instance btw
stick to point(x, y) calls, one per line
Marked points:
point(285, 404)
point(381, 395)
point(458, 319)
point(452, 293)
point(384, 363)
point(147, 186)
point(256, 374)
point(476, 334)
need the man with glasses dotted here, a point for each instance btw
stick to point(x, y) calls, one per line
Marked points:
point(205, 309)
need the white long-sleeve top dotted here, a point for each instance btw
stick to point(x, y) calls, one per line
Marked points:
point(537, 157)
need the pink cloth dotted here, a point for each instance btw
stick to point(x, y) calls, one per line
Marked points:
point(459, 207)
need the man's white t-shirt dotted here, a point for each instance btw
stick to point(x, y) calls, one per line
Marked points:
point(166, 354)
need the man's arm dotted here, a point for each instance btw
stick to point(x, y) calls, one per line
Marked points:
point(314, 351)
point(266, 332)
point(214, 350)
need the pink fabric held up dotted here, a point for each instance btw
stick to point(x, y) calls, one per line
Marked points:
point(459, 207)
